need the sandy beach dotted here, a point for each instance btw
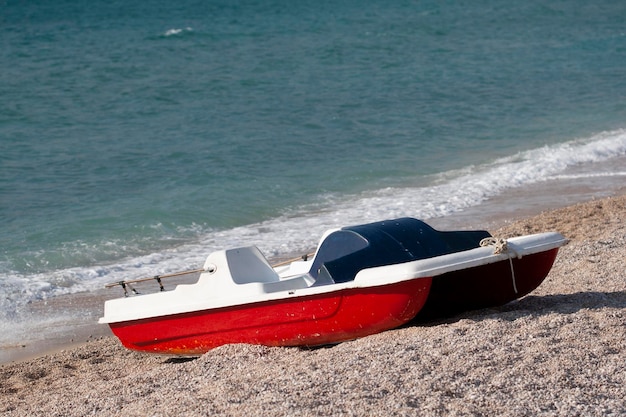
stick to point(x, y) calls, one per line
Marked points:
point(560, 351)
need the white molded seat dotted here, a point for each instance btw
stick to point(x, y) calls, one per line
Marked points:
point(248, 265)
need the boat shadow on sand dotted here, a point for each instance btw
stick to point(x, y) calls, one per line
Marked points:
point(533, 305)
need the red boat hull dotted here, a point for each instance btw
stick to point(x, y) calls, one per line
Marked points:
point(486, 286)
point(303, 321)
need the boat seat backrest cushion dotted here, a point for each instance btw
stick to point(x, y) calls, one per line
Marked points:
point(336, 245)
point(248, 265)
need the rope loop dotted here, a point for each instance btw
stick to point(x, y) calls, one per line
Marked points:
point(499, 245)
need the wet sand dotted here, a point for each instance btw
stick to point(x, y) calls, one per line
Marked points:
point(559, 351)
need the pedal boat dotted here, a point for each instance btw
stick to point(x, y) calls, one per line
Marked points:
point(362, 280)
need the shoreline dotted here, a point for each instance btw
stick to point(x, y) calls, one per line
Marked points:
point(557, 351)
point(79, 312)
point(510, 207)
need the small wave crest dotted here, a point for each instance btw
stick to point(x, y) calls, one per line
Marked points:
point(176, 32)
point(588, 175)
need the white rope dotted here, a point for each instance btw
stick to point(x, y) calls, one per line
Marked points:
point(500, 246)
point(513, 275)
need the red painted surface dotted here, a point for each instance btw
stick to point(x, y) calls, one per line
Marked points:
point(486, 286)
point(299, 321)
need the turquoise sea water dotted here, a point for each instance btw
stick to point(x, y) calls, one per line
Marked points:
point(137, 137)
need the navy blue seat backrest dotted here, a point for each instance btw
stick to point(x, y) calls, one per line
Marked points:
point(337, 245)
point(345, 252)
